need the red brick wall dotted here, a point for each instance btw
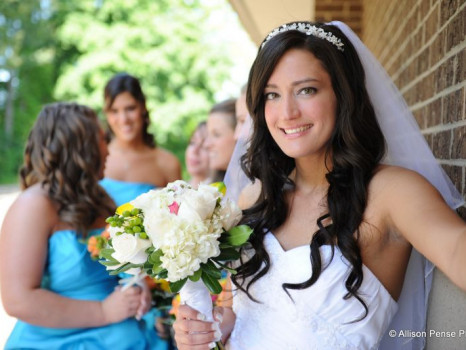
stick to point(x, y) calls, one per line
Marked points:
point(421, 43)
point(348, 11)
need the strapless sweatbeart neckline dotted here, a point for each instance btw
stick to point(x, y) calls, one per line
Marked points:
point(123, 191)
point(313, 318)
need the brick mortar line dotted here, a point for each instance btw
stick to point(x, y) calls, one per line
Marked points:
point(386, 52)
point(440, 94)
point(443, 127)
point(454, 51)
point(428, 43)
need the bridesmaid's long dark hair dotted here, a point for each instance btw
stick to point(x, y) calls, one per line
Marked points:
point(354, 150)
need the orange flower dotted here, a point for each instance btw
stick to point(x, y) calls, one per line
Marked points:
point(96, 243)
point(175, 305)
point(105, 234)
point(92, 246)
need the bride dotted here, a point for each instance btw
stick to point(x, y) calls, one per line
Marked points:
point(336, 207)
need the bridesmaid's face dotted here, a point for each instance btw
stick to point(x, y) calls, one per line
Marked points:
point(220, 140)
point(197, 155)
point(125, 117)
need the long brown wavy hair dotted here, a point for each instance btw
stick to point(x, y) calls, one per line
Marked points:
point(355, 149)
point(63, 155)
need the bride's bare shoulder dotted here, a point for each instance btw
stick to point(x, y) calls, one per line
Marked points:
point(390, 177)
point(249, 195)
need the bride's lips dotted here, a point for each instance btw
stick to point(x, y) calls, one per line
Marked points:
point(296, 130)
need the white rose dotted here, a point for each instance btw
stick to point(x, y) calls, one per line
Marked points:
point(230, 214)
point(129, 248)
point(197, 205)
point(114, 230)
point(212, 190)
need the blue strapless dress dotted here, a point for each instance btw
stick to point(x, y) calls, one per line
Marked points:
point(72, 273)
point(122, 192)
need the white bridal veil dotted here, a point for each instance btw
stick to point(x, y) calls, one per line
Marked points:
point(406, 147)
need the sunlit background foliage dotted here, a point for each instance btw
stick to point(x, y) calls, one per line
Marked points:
point(188, 54)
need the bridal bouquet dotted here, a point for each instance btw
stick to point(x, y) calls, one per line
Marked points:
point(183, 235)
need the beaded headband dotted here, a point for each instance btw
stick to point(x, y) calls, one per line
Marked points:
point(307, 29)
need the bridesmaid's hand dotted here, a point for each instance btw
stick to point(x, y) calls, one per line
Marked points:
point(120, 305)
point(192, 332)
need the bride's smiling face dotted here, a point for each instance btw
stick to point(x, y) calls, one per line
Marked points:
point(300, 104)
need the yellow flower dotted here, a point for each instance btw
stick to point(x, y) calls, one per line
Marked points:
point(220, 187)
point(124, 207)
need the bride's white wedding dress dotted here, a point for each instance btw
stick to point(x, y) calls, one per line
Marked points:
point(318, 317)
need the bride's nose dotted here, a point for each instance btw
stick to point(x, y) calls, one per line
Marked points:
point(290, 107)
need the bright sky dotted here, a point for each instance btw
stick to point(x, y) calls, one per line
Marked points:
point(227, 27)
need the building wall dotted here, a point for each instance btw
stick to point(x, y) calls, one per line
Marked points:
point(348, 11)
point(421, 44)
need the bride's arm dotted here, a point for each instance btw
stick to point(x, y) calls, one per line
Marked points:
point(415, 209)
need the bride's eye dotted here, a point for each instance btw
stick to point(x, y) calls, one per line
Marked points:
point(307, 91)
point(271, 95)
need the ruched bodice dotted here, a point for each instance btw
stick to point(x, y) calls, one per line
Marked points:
point(122, 191)
point(317, 317)
point(71, 272)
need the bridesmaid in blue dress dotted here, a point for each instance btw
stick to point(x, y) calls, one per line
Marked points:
point(62, 298)
point(135, 164)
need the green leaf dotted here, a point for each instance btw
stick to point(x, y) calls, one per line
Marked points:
point(175, 287)
point(163, 274)
point(106, 253)
point(239, 235)
point(211, 269)
point(229, 269)
point(154, 258)
point(156, 269)
point(124, 268)
point(211, 283)
point(196, 276)
point(225, 245)
point(228, 254)
point(109, 263)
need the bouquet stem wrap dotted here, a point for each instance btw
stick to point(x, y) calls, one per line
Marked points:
point(196, 295)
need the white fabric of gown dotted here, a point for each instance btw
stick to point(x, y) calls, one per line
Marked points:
point(318, 317)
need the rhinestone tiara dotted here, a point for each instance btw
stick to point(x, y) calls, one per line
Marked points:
point(307, 29)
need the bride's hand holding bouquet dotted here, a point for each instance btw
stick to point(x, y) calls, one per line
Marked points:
point(183, 235)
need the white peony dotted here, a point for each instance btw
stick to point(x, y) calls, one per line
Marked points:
point(186, 247)
point(129, 248)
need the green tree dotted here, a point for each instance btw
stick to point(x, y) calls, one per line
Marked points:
point(66, 50)
point(166, 43)
point(26, 76)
